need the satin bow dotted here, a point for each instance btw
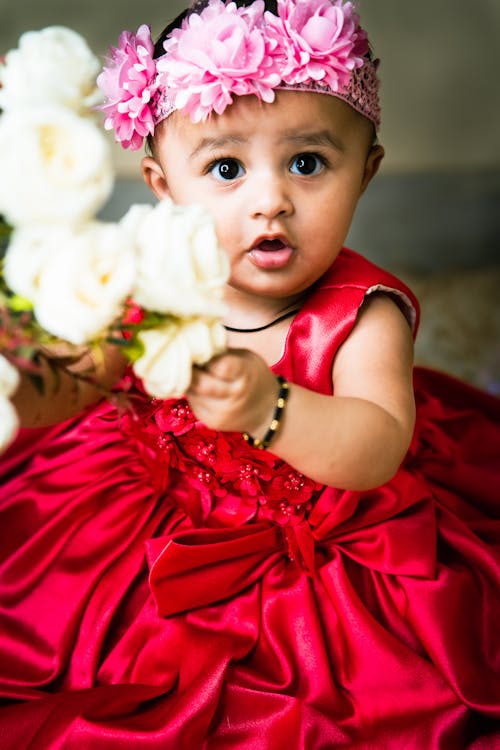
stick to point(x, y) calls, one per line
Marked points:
point(196, 568)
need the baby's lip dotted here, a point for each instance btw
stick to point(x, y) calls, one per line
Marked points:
point(271, 252)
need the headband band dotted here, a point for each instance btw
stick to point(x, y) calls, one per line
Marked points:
point(224, 51)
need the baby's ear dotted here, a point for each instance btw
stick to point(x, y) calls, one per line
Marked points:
point(373, 161)
point(154, 177)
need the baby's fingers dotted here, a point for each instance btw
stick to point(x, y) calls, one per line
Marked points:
point(229, 365)
point(207, 384)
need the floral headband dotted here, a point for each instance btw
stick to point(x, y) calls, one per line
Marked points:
point(224, 50)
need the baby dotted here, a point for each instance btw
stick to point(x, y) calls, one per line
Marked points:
point(300, 553)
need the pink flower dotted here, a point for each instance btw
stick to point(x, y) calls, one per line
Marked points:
point(220, 52)
point(129, 84)
point(133, 314)
point(317, 40)
point(224, 51)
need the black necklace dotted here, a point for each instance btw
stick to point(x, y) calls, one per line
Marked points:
point(262, 328)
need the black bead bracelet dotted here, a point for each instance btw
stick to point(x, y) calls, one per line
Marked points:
point(275, 422)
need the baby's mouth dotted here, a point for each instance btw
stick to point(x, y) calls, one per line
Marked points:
point(271, 245)
point(270, 254)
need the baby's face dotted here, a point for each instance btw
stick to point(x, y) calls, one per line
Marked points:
point(282, 181)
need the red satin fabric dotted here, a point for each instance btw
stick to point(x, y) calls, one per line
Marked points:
point(164, 586)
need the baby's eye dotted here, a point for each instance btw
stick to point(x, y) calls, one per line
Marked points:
point(307, 164)
point(226, 169)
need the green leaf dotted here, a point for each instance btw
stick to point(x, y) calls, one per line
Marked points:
point(28, 352)
point(154, 320)
point(19, 304)
point(133, 350)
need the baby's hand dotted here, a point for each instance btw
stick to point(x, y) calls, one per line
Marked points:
point(235, 392)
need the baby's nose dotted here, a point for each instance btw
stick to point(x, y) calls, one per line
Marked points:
point(271, 197)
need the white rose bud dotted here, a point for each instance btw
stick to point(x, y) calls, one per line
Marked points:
point(165, 366)
point(170, 352)
point(9, 423)
point(181, 267)
point(53, 164)
point(9, 378)
point(51, 66)
point(76, 278)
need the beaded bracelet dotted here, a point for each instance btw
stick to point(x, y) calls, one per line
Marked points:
point(275, 423)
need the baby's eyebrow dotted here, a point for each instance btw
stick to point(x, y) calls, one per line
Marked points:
point(314, 138)
point(217, 143)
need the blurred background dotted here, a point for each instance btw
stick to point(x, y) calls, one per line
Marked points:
point(433, 214)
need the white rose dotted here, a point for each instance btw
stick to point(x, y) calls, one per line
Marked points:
point(82, 291)
point(135, 217)
point(9, 378)
point(79, 287)
point(54, 166)
point(205, 339)
point(165, 366)
point(9, 423)
point(28, 253)
point(170, 352)
point(51, 66)
point(181, 267)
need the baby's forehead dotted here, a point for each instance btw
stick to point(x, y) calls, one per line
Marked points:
point(290, 112)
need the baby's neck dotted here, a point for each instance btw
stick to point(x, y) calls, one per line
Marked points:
point(263, 328)
point(253, 315)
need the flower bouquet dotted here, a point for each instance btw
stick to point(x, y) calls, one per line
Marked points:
point(150, 283)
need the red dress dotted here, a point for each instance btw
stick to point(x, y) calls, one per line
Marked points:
point(164, 586)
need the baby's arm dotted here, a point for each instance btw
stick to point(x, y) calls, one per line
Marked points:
point(355, 439)
point(368, 425)
point(64, 395)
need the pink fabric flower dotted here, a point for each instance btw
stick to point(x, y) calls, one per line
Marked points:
point(224, 51)
point(129, 84)
point(317, 40)
point(220, 52)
